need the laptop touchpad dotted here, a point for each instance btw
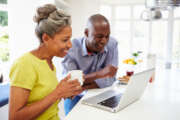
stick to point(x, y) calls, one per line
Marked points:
point(111, 102)
point(101, 97)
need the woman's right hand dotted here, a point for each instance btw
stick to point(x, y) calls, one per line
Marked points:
point(67, 88)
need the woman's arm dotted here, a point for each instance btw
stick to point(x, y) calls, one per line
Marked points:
point(18, 109)
point(18, 104)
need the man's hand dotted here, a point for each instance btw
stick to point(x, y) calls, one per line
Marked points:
point(108, 71)
point(90, 86)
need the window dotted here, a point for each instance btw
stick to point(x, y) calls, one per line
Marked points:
point(122, 12)
point(3, 2)
point(4, 37)
point(122, 33)
point(4, 51)
point(106, 11)
point(134, 34)
point(140, 30)
point(140, 36)
point(176, 44)
point(138, 10)
point(159, 35)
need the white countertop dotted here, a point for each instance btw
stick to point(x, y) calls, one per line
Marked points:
point(161, 101)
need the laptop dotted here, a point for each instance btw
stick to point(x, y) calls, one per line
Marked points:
point(112, 100)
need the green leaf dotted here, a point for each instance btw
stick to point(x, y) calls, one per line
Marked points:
point(3, 1)
point(3, 18)
point(135, 54)
point(4, 38)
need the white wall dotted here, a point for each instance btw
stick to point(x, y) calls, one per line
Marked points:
point(21, 26)
point(80, 11)
point(122, 1)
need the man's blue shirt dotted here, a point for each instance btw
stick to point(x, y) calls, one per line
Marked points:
point(79, 59)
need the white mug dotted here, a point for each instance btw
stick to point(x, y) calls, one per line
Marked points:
point(77, 74)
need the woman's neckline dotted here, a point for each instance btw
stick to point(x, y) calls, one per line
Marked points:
point(43, 61)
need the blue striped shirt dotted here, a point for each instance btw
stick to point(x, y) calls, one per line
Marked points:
point(79, 59)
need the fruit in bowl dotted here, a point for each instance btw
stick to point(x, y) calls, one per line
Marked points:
point(130, 61)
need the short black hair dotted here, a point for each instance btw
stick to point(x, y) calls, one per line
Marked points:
point(97, 18)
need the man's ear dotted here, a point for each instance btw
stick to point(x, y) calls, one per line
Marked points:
point(45, 37)
point(86, 32)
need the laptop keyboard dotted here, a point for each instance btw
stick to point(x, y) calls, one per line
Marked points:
point(112, 101)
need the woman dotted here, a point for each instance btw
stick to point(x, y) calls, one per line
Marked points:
point(35, 91)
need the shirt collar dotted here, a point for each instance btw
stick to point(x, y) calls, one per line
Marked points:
point(84, 49)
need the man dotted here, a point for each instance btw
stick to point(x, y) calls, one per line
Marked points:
point(96, 54)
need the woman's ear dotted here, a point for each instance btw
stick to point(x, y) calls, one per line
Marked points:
point(45, 38)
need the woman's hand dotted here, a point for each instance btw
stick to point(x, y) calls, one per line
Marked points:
point(67, 88)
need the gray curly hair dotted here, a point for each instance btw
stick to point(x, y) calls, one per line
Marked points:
point(50, 20)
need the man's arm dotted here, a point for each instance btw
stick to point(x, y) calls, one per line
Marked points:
point(109, 71)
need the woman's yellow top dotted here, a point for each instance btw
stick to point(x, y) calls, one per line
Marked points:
point(34, 74)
